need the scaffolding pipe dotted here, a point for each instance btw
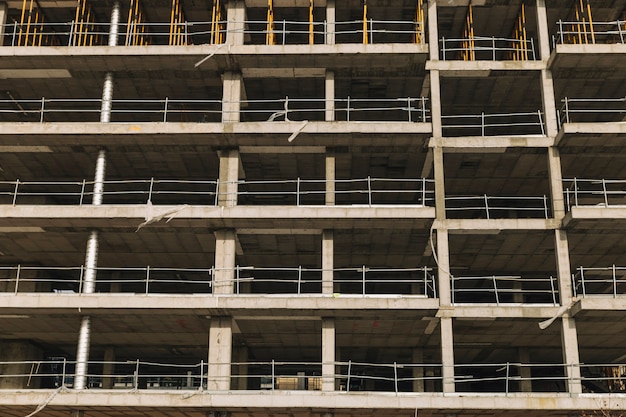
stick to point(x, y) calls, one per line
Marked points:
point(98, 186)
point(82, 354)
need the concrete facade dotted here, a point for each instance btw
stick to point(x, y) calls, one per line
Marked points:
point(312, 208)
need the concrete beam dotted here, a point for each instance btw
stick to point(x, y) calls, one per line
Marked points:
point(494, 226)
point(482, 68)
point(489, 144)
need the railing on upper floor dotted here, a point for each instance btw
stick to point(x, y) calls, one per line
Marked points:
point(497, 207)
point(594, 192)
point(577, 110)
point(349, 376)
point(607, 281)
point(485, 48)
point(284, 32)
point(404, 109)
point(364, 280)
point(504, 290)
point(507, 124)
point(572, 32)
point(300, 192)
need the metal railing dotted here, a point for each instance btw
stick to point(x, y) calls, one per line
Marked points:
point(239, 280)
point(498, 207)
point(594, 192)
point(576, 110)
point(509, 124)
point(486, 48)
point(504, 290)
point(505, 377)
point(404, 109)
point(608, 281)
point(367, 191)
point(584, 32)
point(197, 33)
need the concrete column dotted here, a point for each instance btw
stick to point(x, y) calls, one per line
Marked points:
point(229, 177)
point(91, 262)
point(418, 371)
point(220, 353)
point(3, 21)
point(329, 96)
point(447, 354)
point(435, 103)
point(330, 177)
point(524, 372)
point(330, 22)
point(328, 354)
point(440, 188)
point(231, 97)
point(433, 30)
point(241, 356)
point(225, 246)
point(82, 354)
point(108, 368)
point(549, 104)
point(235, 27)
point(563, 266)
point(328, 256)
point(556, 183)
point(543, 34)
point(13, 352)
point(444, 290)
point(569, 340)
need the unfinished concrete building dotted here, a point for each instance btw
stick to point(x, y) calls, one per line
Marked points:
point(254, 208)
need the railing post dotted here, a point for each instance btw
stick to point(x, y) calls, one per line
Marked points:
point(443, 48)
point(80, 279)
point(495, 288)
point(348, 377)
point(423, 109)
point(299, 278)
point(147, 278)
point(408, 107)
point(298, 192)
point(273, 375)
point(150, 190)
point(573, 285)
point(614, 283)
point(493, 46)
point(582, 281)
point(348, 109)
point(545, 205)
point(369, 190)
point(553, 290)
point(371, 31)
point(17, 184)
point(482, 123)
point(237, 278)
point(543, 129)
point(566, 110)
point(43, 106)
point(363, 276)
point(284, 30)
point(201, 374)
point(486, 205)
point(136, 381)
point(70, 41)
point(395, 375)
point(14, 33)
point(606, 197)
point(507, 378)
point(165, 110)
point(217, 191)
point(561, 30)
point(82, 193)
point(575, 192)
point(424, 192)
point(63, 372)
point(17, 278)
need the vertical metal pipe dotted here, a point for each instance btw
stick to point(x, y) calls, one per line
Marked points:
point(115, 24)
point(98, 182)
point(91, 260)
point(82, 354)
point(107, 98)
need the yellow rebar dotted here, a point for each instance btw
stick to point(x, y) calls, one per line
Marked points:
point(30, 15)
point(593, 35)
point(269, 33)
point(311, 27)
point(419, 21)
point(172, 17)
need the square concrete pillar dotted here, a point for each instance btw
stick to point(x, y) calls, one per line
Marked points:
point(231, 96)
point(108, 368)
point(328, 354)
point(3, 21)
point(549, 104)
point(418, 371)
point(524, 372)
point(433, 30)
point(569, 341)
point(447, 354)
point(220, 353)
point(435, 103)
point(328, 255)
point(440, 189)
point(543, 34)
point(330, 22)
point(224, 275)
point(240, 354)
point(329, 96)
point(556, 183)
point(235, 22)
point(229, 177)
point(330, 177)
point(563, 267)
point(443, 269)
